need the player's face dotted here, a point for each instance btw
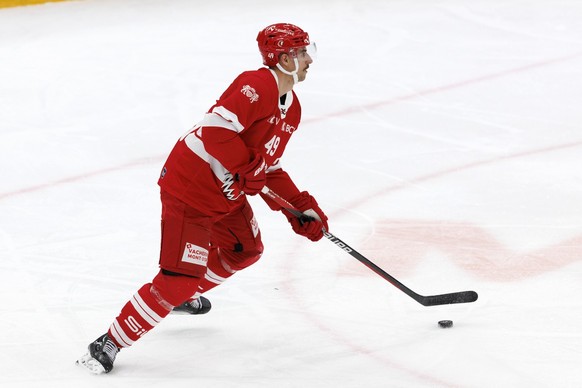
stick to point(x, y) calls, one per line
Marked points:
point(304, 60)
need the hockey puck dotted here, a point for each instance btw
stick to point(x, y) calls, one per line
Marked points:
point(446, 324)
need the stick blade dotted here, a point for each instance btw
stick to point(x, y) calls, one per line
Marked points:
point(454, 297)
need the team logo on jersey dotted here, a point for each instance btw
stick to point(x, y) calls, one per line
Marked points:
point(228, 188)
point(250, 92)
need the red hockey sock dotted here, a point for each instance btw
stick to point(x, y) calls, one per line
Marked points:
point(141, 314)
point(149, 305)
point(217, 272)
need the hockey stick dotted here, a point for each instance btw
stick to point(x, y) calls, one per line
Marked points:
point(431, 300)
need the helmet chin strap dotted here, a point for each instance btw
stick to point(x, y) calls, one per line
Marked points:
point(291, 73)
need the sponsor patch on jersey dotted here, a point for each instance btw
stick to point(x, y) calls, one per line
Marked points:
point(288, 128)
point(250, 92)
point(255, 226)
point(194, 254)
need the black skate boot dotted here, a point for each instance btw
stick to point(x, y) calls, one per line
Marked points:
point(197, 306)
point(99, 359)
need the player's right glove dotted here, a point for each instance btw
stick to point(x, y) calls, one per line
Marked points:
point(252, 178)
point(312, 222)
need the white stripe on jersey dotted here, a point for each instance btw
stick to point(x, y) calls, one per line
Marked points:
point(217, 120)
point(227, 117)
point(194, 143)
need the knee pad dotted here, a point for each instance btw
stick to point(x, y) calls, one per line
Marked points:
point(173, 288)
point(241, 258)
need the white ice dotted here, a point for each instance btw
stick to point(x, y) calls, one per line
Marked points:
point(443, 138)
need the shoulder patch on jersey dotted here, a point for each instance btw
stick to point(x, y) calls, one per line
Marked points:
point(250, 92)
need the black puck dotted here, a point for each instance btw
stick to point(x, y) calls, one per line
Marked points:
point(446, 324)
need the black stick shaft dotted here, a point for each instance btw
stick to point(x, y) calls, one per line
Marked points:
point(431, 300)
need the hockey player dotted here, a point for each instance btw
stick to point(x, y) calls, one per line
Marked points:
point(209, 231)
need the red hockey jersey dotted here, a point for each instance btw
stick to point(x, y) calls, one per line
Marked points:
point(248, 119)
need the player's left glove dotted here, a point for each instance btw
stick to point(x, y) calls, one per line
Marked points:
point(312, 222)
point(252, 178)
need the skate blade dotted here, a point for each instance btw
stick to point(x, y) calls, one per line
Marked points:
point(90, 364)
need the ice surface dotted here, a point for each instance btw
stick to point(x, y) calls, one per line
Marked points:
point(442, 138)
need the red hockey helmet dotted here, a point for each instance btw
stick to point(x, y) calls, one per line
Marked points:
point(280, 38)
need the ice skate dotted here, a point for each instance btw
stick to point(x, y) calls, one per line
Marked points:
point(100, 356)
point(197, 306)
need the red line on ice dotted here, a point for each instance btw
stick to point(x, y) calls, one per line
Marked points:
point(343, 112)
